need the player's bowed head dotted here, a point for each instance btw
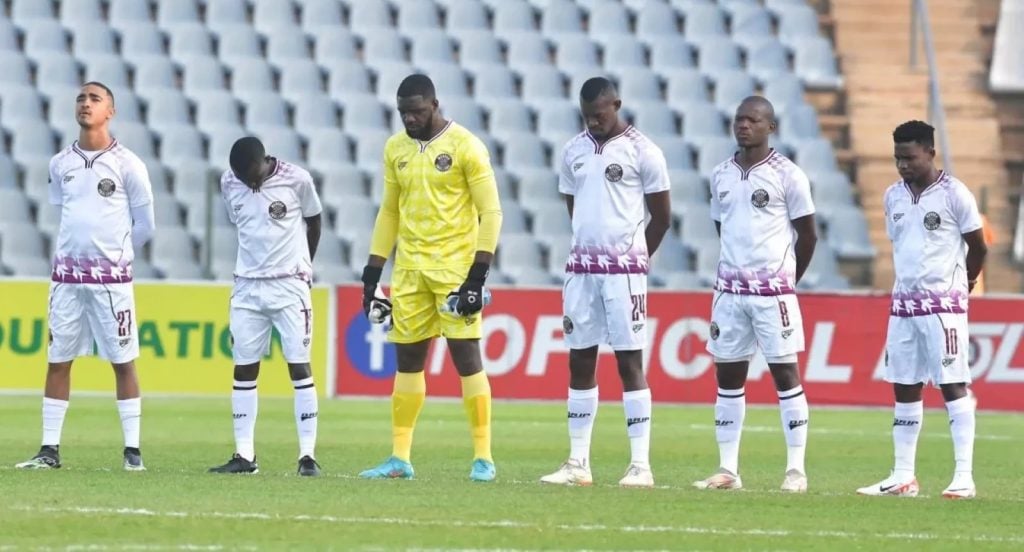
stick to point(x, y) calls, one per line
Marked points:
point(250, 162)
point(599, 106)
point(754, 122)
point(418, 107)
point(914, 150)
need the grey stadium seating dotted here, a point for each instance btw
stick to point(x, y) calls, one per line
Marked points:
point(316, 79)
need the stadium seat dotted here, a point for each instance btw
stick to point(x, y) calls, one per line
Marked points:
point(509, 118)
point(678, 154)
point(281, 142)
point(466, 16)
point(609, 21)
point(750, 20)
point(14, 206)
point(190, 40)
point(419, 15)
point(796, 22)
point(654, 118)
point(360, 114)
point(767, 59)
point(368, 149)
point(288, 48)
point(703, 123)
point(730, 89)
point(33, 141)
point(21, 104)
point(513, 16)
point(578, 51)
point(9, 36)
point(300, 78)
point(346, 77)
point(153, 74)
point(383, 45)
point(668, 53)
point(369, 14)
point(236, 42)
point(478, 49)
point(557, 122)
point(623, 53)
point(142, 41)
point(639, 84)
point(167, 108)
point(265, 109)
point(269, 16)
point(389, 76)
point(432, 47)
point(543, 83)
point(816, 155)
point(527, 49)
point(355, 219)
point(123, 14)
point(171, 246)
point(171, 13)
point(111, 70)
point(320, 14)
point(704, 20)
point(785, 92)
point(23, 11)
point(93, 41)
point(333, 44)
point(717, 54)
point(656, 19)
point(329, 147)
point(450, 80)
point(44, 37)
point(203, 74)
point(222, 14)
point(135, 136)
point(491, 83)
point(466, 112)
point(517, 250)
point(848, 234)
point(815, 63)
point(314, 111)
point(711, 152)
point(14, 69)
point(21, 248)
point(523, 150)
point(181, 145)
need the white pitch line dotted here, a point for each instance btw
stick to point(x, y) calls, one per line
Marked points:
point(513, 524)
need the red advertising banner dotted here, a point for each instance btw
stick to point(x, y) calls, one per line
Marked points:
point(526, 358)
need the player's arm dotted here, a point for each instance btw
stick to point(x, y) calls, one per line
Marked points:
point(716, 205)
point(567, 182)
point(806, 240)
point(483, 190)
point(140, 201)
point(385, 234)
point(968, 219)
point(312, 211)
point(312, 233)
point(569, 203)
point(977, 250)
point(654, 178)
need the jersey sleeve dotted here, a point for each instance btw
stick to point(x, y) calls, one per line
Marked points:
point(483, 189)
point(137, 184)
point(653, 170)
point(476, 163)
point(56, 193)
point(566, 180)
point(887, 208)
point(799, 202)
point(309, 200)
point(225, 181)
point(385, 228)
point(965, 209)
point(716, 205)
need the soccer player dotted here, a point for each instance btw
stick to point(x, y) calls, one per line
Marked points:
point(441, 206)
point(276, 209)
point(106, 214)
point(611, 176)
point(938, 249)
point(762, 208)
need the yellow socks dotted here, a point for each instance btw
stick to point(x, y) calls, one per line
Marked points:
point(476, 396)
point(406, 402)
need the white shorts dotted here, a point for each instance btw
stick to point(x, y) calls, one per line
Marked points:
point(931, 348)
point(742, 323)
point(605, 308)
point(82, 313)
point(258, 306)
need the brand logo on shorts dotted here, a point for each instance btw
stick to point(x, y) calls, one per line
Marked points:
point(896, 217)
point(237, 208)
point(948, 361)
point(305, 342)
point(68, 178)
point(787, 333)
point(106, 187)
point(637, 327)
point(576, 166)
point(277, 210)
point(721, 195)
point(634, 421)
point(567, 326)
point(759, 198)
point(932, 220)
point(123, 342)
point(307, 416)
point(443, 162)
point(613, 172)
point(793, 424)
point(715, 332)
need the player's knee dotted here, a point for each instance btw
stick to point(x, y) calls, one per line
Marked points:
point(123, 368)
point(299, 371)
point(59, 368)
point(411, 356)
point(247, 372)
point(953, 391)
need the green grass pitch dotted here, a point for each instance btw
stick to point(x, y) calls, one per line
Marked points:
point(91, 504)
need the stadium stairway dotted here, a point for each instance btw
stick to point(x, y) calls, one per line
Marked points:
point(872, 41)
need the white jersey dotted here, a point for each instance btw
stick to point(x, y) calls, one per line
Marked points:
point(96, 191)
point(271, 234)
point(928, 248)
point(608, 183)
point(755, 208)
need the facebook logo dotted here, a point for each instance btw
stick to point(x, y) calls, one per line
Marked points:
point(368, 349)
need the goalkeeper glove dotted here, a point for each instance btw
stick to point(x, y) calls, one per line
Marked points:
point(371, 277)
point(471, 299)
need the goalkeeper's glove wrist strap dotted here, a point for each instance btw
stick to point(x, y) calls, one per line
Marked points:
point(372, 275)
point(479, 271)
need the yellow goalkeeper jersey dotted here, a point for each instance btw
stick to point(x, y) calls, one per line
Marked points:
point(437, 192)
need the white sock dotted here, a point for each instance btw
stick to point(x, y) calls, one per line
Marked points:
point(730, 409)
point(637, 405)
point(795, 415)
point(582, 405)
point(961, 425)
point(306, 410)
point(131, 420)
point(243, 409)
point(906, 426)
point(53, 420)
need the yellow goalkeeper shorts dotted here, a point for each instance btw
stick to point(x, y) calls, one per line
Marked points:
point(417, 297)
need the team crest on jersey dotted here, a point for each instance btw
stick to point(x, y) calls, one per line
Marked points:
point(715, 332)
point(106, 187)
point(896, 217)
point(443, 162)
point(932, 220)
point(613, 172)
point(567, 326)
point(277, 210)
point(759, 198)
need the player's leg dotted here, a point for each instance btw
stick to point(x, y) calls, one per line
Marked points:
point(583, 324)
point(778, 324)
point(111, 316)
point(731, 343)
point(903, 368)
point(953, 376)
point(625, 303)
point(294, 324)
point(415, 323)
point(463, 335)
point(69, 337)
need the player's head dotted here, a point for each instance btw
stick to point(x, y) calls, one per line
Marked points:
point(418, 106)
point(248, 161)
point(754, 122)
point(94, 105)
point(599, 105)
point(914, 149)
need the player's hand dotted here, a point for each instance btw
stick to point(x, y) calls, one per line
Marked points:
point(471, 293)
point(371, 277)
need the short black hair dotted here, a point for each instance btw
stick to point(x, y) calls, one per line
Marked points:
point(245, 152)
point(763, 102)
point(596, 87)
point(103, 86)
point(915, 131)
point(417, 85)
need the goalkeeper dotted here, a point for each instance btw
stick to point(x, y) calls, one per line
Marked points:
point(441, 206)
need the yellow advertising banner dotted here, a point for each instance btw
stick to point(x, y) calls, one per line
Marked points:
point(184, 342)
